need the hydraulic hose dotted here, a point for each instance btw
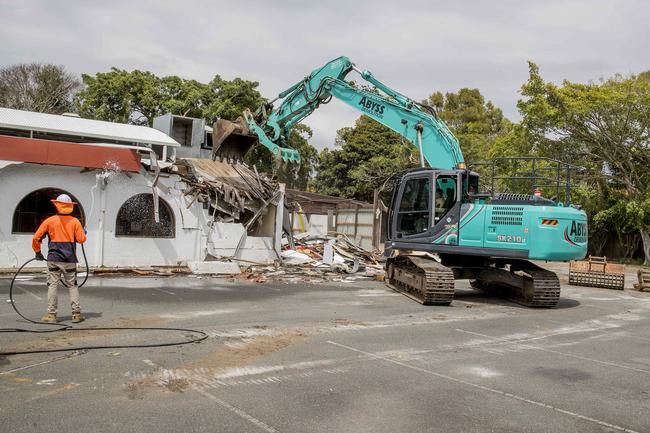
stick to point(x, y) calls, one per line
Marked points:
point(200, 335)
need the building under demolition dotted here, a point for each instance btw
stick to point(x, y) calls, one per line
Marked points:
point(141, 201)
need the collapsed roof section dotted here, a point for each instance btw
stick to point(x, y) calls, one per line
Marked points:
point(234, 192)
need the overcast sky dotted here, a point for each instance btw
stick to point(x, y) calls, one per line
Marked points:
point(416, 47)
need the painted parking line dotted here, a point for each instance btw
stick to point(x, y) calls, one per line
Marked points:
point(557, 352)
point(165, 291)
point(200, 389)
point(237, 411)
point(488, 389)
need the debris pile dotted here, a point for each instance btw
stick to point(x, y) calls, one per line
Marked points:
point(317, 259)
point(234, 192)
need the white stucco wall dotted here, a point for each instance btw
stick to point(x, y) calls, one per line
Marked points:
point(103, 248)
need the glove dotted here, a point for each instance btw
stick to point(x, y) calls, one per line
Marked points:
point(39, 256)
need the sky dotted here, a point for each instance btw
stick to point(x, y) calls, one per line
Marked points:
point(415, 47)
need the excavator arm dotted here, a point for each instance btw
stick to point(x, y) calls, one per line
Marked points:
point(416, 123)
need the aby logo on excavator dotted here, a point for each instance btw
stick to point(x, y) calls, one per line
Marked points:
point(372, 107)
point(577, 233)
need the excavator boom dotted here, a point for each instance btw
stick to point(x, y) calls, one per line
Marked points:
point(272, 126)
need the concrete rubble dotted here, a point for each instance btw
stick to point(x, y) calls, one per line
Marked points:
point(317, 258)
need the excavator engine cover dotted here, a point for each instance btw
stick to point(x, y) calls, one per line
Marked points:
point(231, 140)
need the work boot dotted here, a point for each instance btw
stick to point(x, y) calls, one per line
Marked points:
point(77, 317)
point(49, 318)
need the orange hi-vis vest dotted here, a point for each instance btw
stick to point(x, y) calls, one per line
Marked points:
point(63, 232)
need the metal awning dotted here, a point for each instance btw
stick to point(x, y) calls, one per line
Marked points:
point(51, 152)
point(79, 128)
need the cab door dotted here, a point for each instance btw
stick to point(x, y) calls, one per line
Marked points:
point(411, 218)
point(447, 204)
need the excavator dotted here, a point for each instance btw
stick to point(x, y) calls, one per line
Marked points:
point(439, 228)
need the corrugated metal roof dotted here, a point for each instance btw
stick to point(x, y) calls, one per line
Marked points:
point(57, 124)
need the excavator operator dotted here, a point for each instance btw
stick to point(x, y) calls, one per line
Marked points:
point(63, 232)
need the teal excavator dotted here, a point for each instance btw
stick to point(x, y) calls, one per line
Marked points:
point(439, 228)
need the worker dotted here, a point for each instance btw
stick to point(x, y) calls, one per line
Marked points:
point(63, 231)
point(440, 200)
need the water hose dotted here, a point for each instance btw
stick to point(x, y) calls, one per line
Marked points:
point(200, 335)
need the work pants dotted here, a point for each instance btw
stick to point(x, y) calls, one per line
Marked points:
point(67, 273)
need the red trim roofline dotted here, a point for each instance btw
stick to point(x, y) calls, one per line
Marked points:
point(52, 152)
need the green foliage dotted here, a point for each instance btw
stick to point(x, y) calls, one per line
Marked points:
point(121, 96)
point(295, 176)
point(139, 96)
point(185, 97)
point(595, 123)
point(623, 218)
point(476, 123)
point(44, 88)
point(232, 97)
point(366, 155)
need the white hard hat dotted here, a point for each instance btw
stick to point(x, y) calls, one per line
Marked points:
point(64, 198)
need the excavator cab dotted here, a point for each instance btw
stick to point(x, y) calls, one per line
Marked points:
point(426, 203)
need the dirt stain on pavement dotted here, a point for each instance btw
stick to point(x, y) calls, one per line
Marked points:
point(137, 389)
point(240, 352)
point(348, 322)
point(177, 385)
point(248, 350)
point(16, 379)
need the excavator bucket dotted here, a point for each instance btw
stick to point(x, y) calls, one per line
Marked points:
point(596, 272)
point(231, 140)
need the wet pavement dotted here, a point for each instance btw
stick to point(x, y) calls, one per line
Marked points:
point(332, 357)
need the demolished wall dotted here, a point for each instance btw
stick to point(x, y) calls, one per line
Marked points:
point(199, 230)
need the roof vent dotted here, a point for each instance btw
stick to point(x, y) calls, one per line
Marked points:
point(71, 115)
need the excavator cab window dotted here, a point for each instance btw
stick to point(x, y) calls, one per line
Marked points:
point(445, 197)
point(470, 186)
point(414, 207)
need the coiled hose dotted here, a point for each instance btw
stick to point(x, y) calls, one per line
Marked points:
point(59, 327)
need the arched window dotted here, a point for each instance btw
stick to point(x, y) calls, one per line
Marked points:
point(135, 218)
point(36, 206)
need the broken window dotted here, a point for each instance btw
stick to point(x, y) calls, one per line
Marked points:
point(36, 206)
point(136, 218)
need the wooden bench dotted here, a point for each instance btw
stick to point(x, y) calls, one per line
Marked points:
point(644, 280)
point(596, 272)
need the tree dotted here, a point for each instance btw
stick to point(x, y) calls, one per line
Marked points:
point(122, 96)
point(182, 97)
point(365, 156)
point(476, 123)
point(45, 88)
point(232, 97)
point(295, 176)
point(605, 127)
point(139, 96)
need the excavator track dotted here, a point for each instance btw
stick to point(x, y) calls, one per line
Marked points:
point(524, 283)
point(422, 279)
